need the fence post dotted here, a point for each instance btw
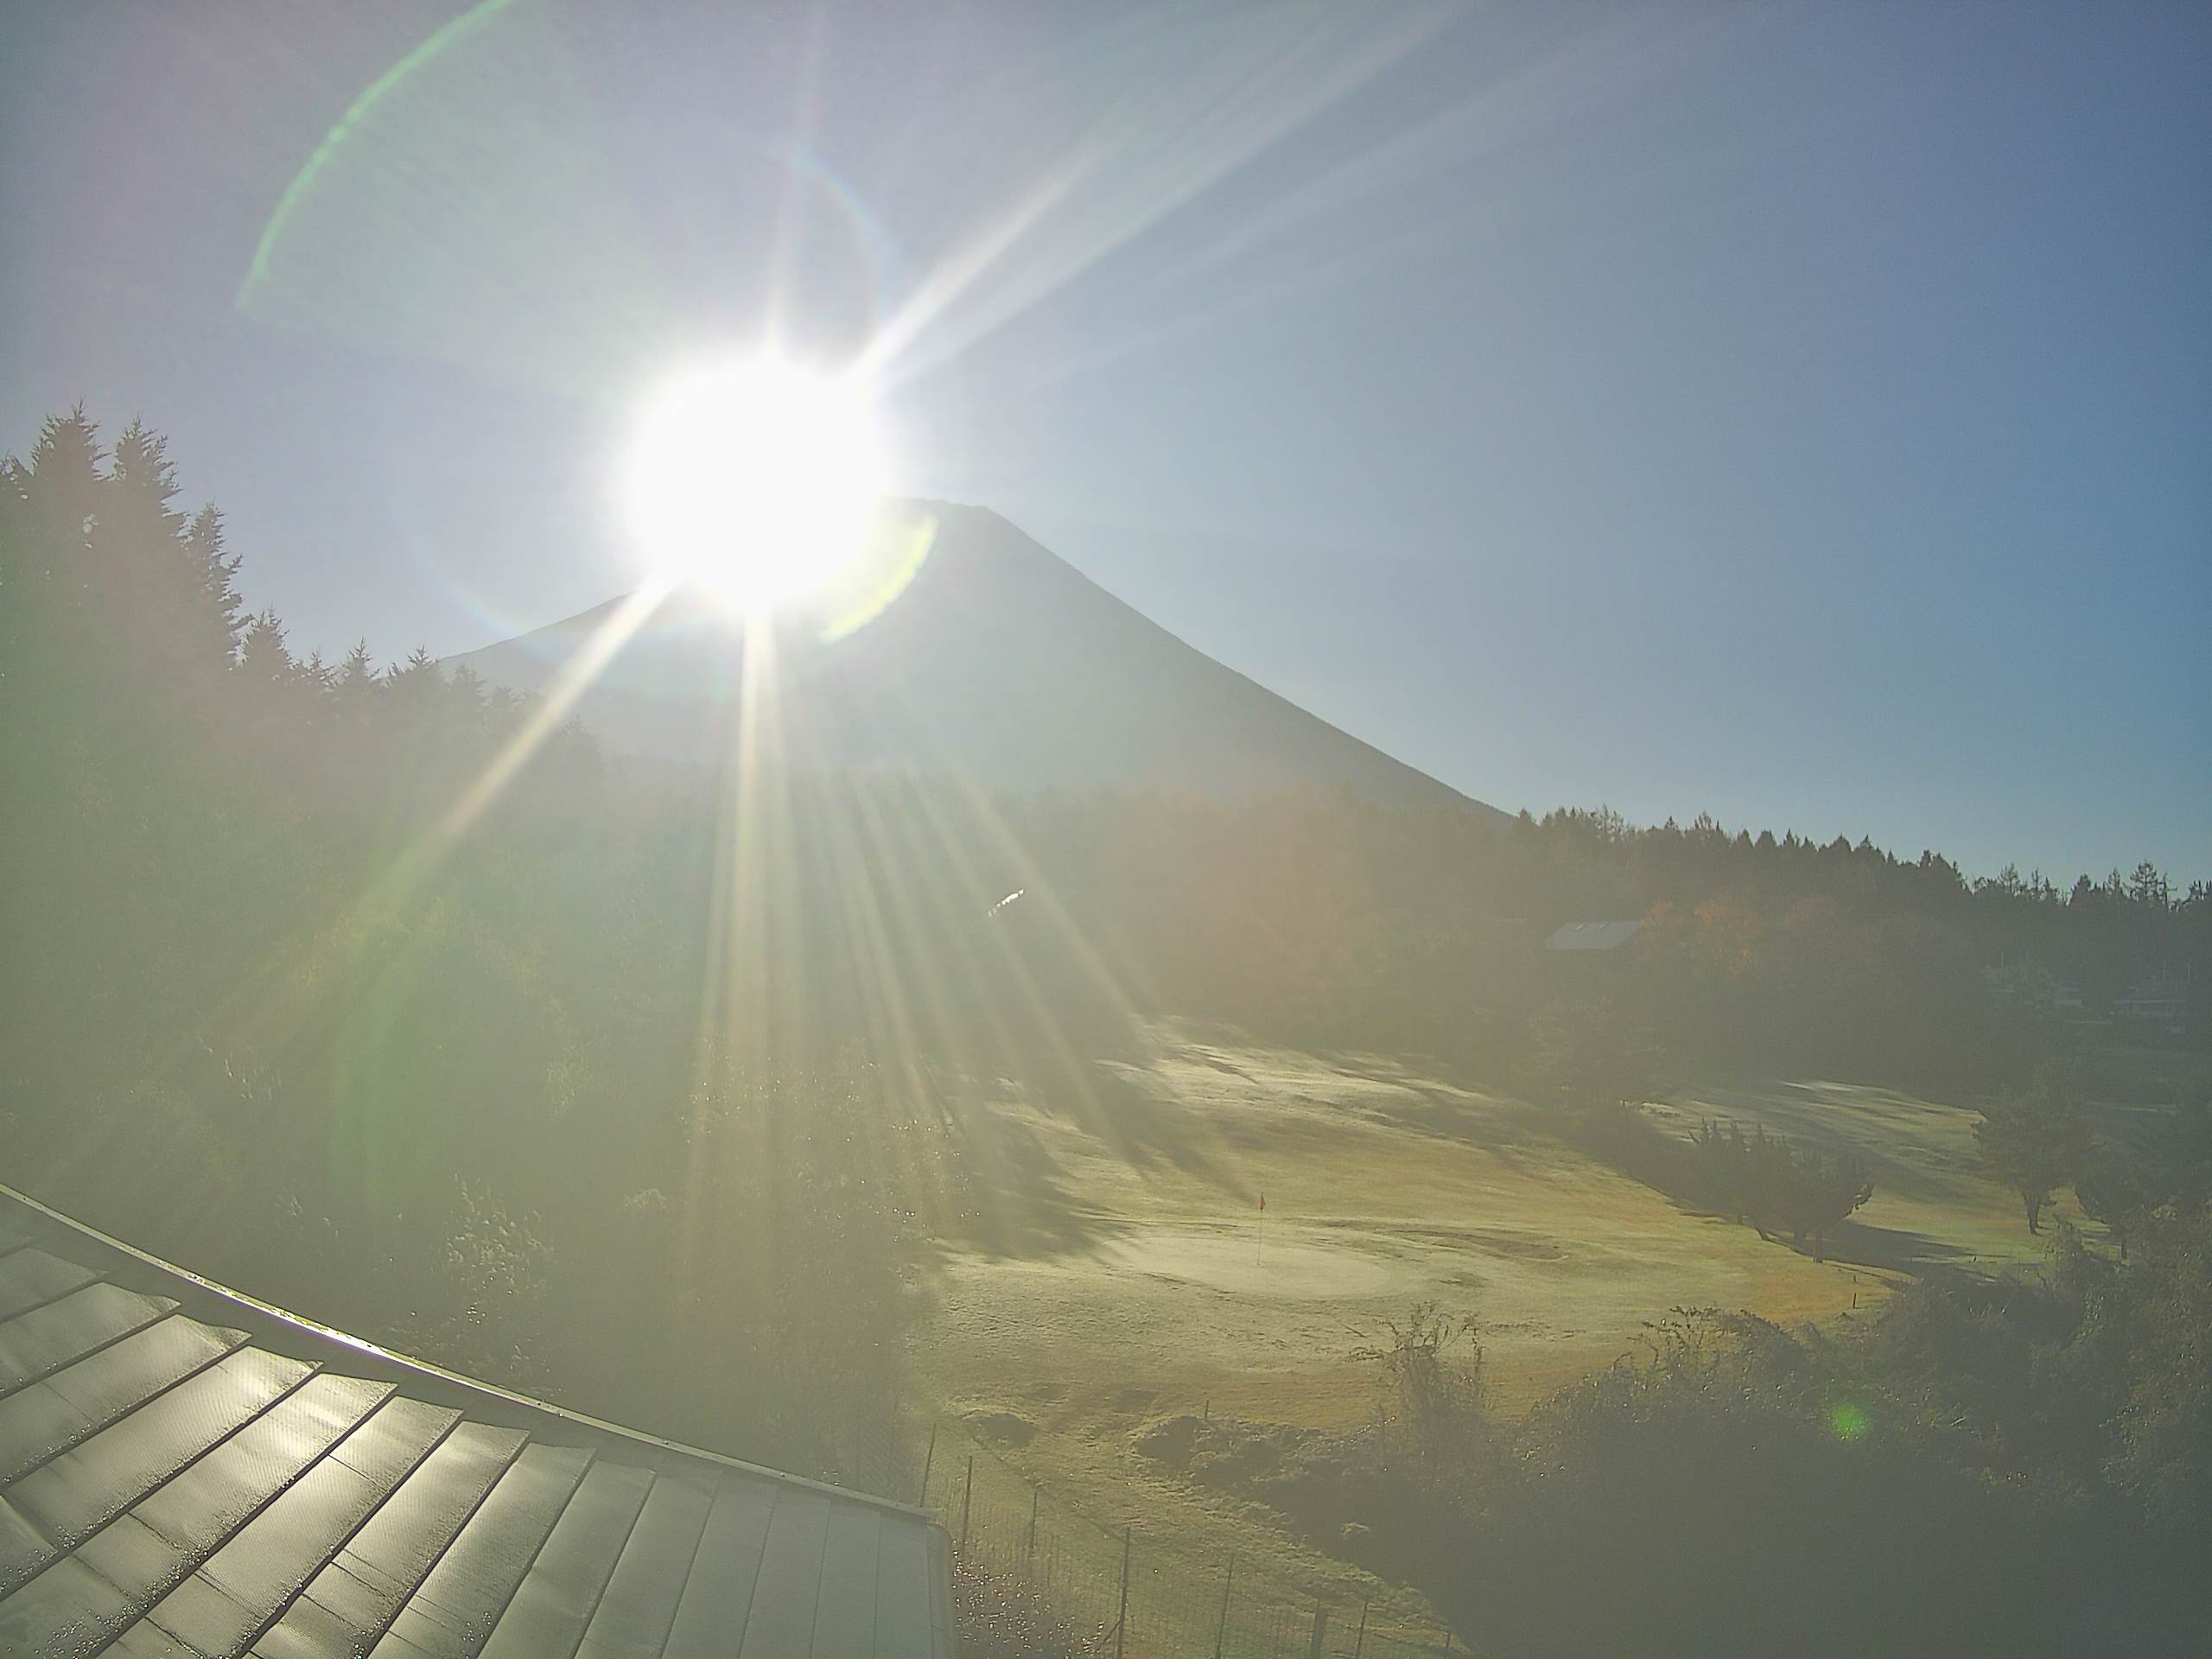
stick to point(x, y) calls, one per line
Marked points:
point(928, 1458)
point(1121, 1619)
point(1360, 1646)
point(1221, 1629)
point(966, 1493)
point(1031, 1547)
point(1320, 1630)
point(1446, 1648)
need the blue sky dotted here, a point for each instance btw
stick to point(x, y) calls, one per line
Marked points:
point(1799, 413)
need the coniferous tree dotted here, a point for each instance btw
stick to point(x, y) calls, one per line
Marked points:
point(264, 657)
point(215, 569)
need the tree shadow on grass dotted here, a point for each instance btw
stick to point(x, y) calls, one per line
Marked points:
point(1899, 1249)
point(1885, 1129)
point(1020, 1201)
point(1440, 1108)
point(1123, 1110)
point(1017, 1201)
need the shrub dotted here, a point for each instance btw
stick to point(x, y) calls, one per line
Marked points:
point(1776, 1185)
point(1430, 1411)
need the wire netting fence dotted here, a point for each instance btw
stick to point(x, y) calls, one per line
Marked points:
point(1120, 1594)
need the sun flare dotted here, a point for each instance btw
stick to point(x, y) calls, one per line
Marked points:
point(753, 479)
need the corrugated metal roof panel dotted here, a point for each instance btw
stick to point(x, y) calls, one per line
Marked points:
point(45, 1419)
point(185, 1471)
point(715, 1604)
point(43, 1340)
point(453, 1612)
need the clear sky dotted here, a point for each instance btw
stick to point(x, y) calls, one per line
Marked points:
point(1801, 413)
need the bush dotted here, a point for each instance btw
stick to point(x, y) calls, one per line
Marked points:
point(1430, 1413)
point(1776, 1185)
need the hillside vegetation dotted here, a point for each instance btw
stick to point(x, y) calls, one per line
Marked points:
point(774, 1108)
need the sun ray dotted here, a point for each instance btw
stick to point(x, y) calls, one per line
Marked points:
point(1161, 156)
point(575, 675)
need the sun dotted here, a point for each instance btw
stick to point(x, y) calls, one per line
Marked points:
point(753, 479)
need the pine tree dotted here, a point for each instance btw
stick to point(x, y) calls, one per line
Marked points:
point(357, 674)
point(2148, 886)
point(46, 571)
point(62, 487)
point(263, 658)
point(221, 623)
point(140, 565)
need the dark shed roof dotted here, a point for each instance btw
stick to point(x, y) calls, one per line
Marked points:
point(185, 1471)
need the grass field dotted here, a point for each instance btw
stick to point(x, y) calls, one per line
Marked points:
point(1135, 1276)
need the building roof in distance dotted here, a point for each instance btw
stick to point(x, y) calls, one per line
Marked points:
point(185, 1471)
point(1592, 936)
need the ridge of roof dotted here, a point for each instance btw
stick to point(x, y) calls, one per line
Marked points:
point(299, 1337)
point(185, 1469)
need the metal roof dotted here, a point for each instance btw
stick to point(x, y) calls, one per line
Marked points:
point(1591, 936)
point(185, 1472)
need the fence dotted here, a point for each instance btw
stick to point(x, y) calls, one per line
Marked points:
point(1124, 1595)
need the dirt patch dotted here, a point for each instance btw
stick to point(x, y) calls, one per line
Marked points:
point(1169, 1441)
point(1005, 1428)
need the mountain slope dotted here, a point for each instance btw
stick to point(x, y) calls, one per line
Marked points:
point(999, 662)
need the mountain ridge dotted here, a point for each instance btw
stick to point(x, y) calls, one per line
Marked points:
point(998, 661)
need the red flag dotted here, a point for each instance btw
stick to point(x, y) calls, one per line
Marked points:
point(1263, 1200)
